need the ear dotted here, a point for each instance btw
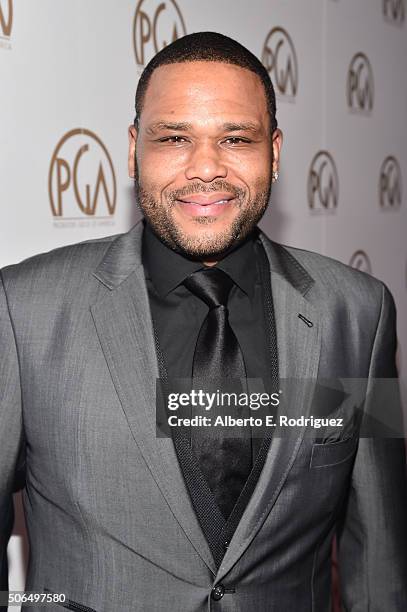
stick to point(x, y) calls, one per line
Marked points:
point(277, 144)
point(132, 132)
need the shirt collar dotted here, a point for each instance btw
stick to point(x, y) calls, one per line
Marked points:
point(167, 269)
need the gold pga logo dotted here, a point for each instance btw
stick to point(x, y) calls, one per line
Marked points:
point(280, 60)
point(81, 180)
point(360, 261)
point(394, 11)
point(390, 184)
point(323, 183)
point(155, 25)
point(360, 85)
point(6, 22)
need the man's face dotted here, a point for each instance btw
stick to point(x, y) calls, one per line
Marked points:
point(202, 156)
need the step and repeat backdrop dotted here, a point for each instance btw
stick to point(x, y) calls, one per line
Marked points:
point(68, 74)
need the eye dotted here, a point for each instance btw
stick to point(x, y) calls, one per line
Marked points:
point(173, 139)
point(235, 140)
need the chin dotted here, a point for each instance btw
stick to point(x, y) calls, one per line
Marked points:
point(205, 244)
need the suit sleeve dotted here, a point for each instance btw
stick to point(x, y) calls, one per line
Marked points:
point(372, 540)
point(11, 436)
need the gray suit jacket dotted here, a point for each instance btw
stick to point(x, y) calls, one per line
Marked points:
point(109, 518)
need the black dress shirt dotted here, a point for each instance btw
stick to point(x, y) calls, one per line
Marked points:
point(178, 314)
point(177, 318)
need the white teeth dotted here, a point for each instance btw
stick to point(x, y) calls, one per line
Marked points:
point(199, 204)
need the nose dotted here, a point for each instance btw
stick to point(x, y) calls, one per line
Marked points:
point(205, 163)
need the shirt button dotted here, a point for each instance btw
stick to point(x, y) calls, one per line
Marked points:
point(226, 544)
point(218, 592)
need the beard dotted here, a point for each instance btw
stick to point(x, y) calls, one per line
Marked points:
point(207, 243)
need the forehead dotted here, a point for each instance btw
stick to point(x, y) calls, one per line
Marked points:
point(196, 90)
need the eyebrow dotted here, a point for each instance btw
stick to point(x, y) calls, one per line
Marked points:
point(164, 125)
point(246, 126)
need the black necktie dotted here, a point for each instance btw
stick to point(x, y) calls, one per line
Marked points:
point(225, 462)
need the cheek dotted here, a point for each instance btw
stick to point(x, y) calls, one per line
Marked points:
point(252, 169)
point(152, 163)
point(166, 160)
point(262, 182)
point(157, 175)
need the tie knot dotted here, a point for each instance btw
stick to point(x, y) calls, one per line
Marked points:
point(211, 285)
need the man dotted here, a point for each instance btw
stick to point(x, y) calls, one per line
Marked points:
point(122, 519)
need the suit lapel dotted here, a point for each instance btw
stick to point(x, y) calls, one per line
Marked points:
point(124, 327)
point(298, 353)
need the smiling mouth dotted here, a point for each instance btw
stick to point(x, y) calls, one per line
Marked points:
point(224, 201)
point(207, 199)
point(199, 206)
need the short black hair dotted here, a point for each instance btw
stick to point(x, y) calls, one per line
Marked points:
point(208, 47)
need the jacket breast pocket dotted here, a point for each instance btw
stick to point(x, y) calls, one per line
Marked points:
point(333, 453)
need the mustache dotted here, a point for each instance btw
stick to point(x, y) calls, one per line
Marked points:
point(219, 185)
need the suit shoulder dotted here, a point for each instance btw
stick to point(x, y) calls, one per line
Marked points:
point(338, 278)
point(59, 263)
